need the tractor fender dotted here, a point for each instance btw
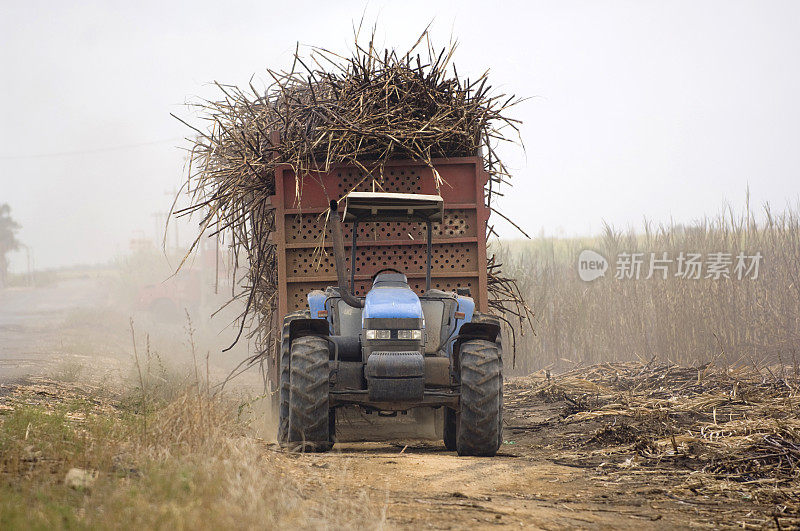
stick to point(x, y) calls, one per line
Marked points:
point(482, 330)
point(485, 328)
point(308, 327)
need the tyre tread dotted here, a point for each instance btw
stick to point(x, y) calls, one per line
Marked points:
point(309, 412)
point(479, 430)
point(283, 375)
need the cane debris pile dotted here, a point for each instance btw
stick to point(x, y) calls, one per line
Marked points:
point(728, 430)
point(327, 109)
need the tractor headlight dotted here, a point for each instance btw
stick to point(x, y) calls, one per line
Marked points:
point(379, 334)
point(405, 335)
point(410, 335)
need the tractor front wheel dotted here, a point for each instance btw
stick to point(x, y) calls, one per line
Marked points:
point(479, 425)
point(309, 413)
point(283, 379)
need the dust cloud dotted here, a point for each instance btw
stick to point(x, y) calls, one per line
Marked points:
point(101, 320)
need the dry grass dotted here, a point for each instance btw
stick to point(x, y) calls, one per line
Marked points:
point(684, 321)
point(703, 430)
point(169, 452)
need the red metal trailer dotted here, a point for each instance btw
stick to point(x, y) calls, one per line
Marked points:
point(459, 243)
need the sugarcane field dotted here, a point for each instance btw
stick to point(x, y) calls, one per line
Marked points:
point(377, 265)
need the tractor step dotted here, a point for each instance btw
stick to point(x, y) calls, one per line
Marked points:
point(361, 398)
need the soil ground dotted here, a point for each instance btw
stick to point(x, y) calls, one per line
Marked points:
point(545, 476)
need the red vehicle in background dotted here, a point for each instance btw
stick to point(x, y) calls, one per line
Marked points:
point(187, 289)
point(169, 300)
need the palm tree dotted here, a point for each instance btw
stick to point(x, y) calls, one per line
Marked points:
point(8, 241)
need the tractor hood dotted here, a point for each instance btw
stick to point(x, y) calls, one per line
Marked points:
point(391, 299)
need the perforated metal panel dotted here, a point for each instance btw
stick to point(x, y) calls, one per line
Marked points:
point(305, 257)
point(305, 263)
point(458, 222)
point(407, 180)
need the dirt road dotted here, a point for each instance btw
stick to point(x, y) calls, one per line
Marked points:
point(77, 326)
point(534, 483)
point(544, 477)
point(425, 486)
point(32, 338)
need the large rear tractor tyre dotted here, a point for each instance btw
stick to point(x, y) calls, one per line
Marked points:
point(479, 427)
point(309, 412)
point(283, 381)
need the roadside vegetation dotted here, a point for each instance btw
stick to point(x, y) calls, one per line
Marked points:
point(687, 321)
point(164, 450)
point(8, 241)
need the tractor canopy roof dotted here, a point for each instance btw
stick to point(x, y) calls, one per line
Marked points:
point(385, 206)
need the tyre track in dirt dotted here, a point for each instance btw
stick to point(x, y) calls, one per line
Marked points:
point(544, 477)
point(429, 487)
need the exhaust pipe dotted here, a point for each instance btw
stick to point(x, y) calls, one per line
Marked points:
point(338, 256)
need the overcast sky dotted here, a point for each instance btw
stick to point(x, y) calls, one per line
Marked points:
point(638, 109)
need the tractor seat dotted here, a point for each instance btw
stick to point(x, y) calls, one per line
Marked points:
point(390, 279)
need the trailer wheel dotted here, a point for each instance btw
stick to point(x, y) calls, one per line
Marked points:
point(309, 413)
point(450, 428)
point(283, 372)
point(481, 408)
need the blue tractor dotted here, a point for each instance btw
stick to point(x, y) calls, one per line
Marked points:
point(392, 350)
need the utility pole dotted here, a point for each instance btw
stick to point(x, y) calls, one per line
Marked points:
point(29, 256)
point(216, 267)
point(173, 194)
point(160, 235)
point(29, 265)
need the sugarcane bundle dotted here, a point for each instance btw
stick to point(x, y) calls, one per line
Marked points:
point(327, 109)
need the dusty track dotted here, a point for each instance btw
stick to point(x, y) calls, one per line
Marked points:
point(529, 484)
point(426, 486)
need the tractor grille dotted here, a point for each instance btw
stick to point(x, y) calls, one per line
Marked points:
point(403, 364)
point(395, 376)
